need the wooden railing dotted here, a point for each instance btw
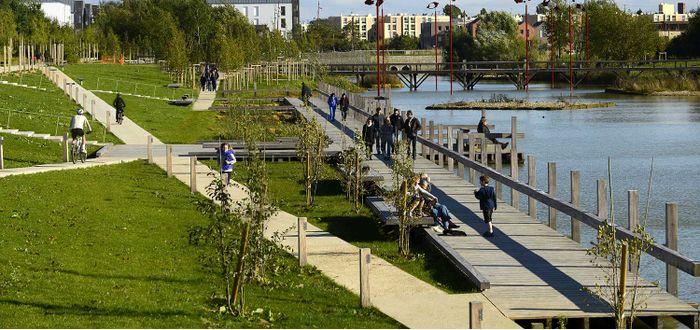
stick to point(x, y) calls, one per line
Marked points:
point(667, 254)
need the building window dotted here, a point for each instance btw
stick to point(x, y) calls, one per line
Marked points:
point(283, 11)
point(256, 22)
point(245, 11)
point(283, 23)
point(256, 11)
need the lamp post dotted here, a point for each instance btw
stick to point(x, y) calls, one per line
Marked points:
point(527, 46)
point(376, 24)
point(451, 52)
point(434, 5)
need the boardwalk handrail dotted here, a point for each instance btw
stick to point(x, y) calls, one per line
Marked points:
point(658, 251)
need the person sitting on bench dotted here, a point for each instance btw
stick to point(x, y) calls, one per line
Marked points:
point(441, 215)
point(484, 128)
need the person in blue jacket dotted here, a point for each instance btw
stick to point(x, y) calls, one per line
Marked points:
point(332, 104)
point(487, 202)
point(228, 158)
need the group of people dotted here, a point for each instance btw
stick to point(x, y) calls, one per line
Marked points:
point(382, 133)
point(209, 78)
point(333, 104)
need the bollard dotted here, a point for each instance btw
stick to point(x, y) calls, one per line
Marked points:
point(2, 155)
point(301, 242)
point(575, 201)
point(602, 200)
point(532, 182)
point(149, 149)
point(65, 147)
point(633, 222)
point(92, 107)
point(108, 124)
point(193, 174)
point(169, 160)
point(514, 195)
point(450, 161)
point(498, 159)
point(440, 138)
point(460, 151)
point(431, 138)
point(484, 152)
point(365, 259)
point(476, 314)
point(552, 191)
point(472, 156)
point(672, 243)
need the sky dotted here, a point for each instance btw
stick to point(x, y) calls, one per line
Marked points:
point(336, 7)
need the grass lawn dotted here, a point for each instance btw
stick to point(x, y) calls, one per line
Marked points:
point(334, 214)
point(107, 247)
point(21, 151)
point(44, 112)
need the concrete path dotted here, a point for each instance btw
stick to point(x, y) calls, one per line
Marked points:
point(206, 98)
point(129, 132)
point(63, 166)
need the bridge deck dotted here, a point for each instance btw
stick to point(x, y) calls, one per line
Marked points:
point(534, 271)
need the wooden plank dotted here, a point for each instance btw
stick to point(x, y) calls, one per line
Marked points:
point(633, 222)
point(575, 202)
point(552, 191)
point(672, 243)
point(475, 277)
point(476, 314)
point(450, 161)
point(365, 259)
point(499, 168)
point(532, 182)
point(602, 199)
point(514, 196)
point(301, 241)
point(440, 141)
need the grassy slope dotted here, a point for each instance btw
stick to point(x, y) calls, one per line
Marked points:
point(107, 247)
point(334, 214)
point(45, 108)
point(170, 124)
point(21, 151)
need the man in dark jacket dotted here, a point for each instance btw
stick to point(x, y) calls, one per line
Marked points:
point(410, 129)
point(119, 105)
point(344, 105)
point(378, 122)
point(487, 203)
point(397, 123)
point(368, 135)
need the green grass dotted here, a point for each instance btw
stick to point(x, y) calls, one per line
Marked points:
point(107, 247)
point(335, 214)
point(44, 112)
point(21, 151)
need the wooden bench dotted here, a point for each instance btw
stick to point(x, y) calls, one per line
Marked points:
point(369, 176)
point(282, 143)
point(387, 213)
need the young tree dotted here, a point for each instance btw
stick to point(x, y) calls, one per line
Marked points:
point(400, 197)
point(311, 149)
point(352, 159)
point(403, 42)
point(456, 12)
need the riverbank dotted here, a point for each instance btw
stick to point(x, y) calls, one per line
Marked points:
point(643, 93)
point(518, 105)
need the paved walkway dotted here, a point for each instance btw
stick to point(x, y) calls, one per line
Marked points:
point(206, 98)
point(535, 272)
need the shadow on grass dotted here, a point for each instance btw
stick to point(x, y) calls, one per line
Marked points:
point(150, 278)
point(81, 309)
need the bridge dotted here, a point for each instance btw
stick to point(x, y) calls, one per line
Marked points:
point(467, 74)
point(531, 272)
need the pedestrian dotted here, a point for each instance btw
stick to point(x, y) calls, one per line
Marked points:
point(214, 79)
point(228, 158)
point(207, 77)
point(344, 105)
point(484, 128)
point(397, 123)
point(378, 121)
point(368, 134)
point(387, 132)
point(487, 203)
point(332, 104)
point(410, 128)
point(202, 81)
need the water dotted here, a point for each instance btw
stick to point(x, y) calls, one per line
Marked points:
point(637, 128)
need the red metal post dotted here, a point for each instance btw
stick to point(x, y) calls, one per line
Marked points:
point(571, 52)
point(384, 79)
point(451, 59)
point(379, 93)
point(437, 66)
point(527, 50)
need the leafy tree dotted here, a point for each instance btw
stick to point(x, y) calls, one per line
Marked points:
point(688, 43)
point(8, 28)
point(456, 12)
point(496, 39)
point(403, 42)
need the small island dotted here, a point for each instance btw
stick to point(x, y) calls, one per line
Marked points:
point(503, 102)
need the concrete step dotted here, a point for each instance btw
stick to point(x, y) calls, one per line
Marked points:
point(9, 131)
point(55, 138)
point(25, 133)
point(41, 136)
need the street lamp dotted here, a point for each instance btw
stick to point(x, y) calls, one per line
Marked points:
point(433, 5)
point(451, 52)
point(376, 24)
point(527, 46)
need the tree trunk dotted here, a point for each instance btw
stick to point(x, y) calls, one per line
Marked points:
point(238, 276)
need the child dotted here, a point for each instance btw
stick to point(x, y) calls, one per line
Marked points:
point(228, 158)
point(487, 202)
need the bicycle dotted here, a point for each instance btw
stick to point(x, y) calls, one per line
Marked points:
point(120, 117)
point(77, 151)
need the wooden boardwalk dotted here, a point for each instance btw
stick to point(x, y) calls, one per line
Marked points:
point(533, 273)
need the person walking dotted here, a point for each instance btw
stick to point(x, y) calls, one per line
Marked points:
point(344, 105)
point(202, 81)
point(397, 123)
point(410, 128)
point(332, 104)
point(484, 128)
point(207, 78)
point(387, 131)
point(228, 159)
point(378, 122)
point(487, 203)
point(368, 134)
point(214, 79)
point(119, 105)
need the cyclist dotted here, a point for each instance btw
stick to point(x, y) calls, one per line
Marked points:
point(119, 105)
point(77, 123)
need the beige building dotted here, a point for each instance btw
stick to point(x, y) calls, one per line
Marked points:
point(671, 22)
point(394, 25)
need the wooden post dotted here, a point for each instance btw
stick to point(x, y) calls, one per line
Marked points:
point(472, 155)
point(575, 201)
point(169, 160)
point(301, 241)
point(633, 222)
point(672, 243)
point(423, 148)
point(108, 124)
point(431, 138)
point(149, 148)
point(450, 161)
point(514, 195)
point(476, 314)
point(365, 258)
point(65, 147)
point(532, 182)
point(440, 137)
point(602, 199)
point(193, 174)
point(2, 154)
point(460, 151)
point(498, 158)
point(622, 289)
point(552, 191)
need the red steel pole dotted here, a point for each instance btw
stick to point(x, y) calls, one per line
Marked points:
point(451, 59)
point(379, 93)
point(571, 52)
point(553, 36)
point(527, 50)
point(384, 79)
point(437, 67)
